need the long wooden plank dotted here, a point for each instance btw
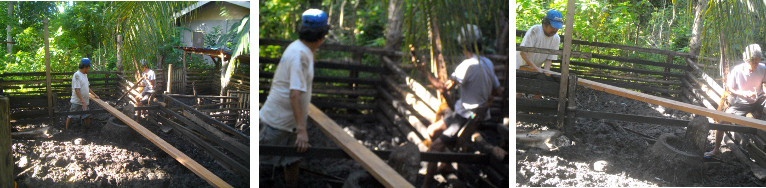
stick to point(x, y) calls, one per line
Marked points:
point(182, 158)
point(749, 122)
point(371, 162)
point(325, 152)
point(226, 161)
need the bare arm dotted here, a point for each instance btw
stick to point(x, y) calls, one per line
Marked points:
point(524, 57)
point(302, 142)
point(94, 94)
point(548, 64)
point(82, 102)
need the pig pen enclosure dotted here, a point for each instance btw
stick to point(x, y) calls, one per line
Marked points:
point(378, 110)
point(188, 136)
point(631, 122)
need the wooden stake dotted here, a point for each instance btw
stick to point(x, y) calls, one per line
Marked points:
point(47, 67)
point(170, 78)
point(6, 154)
point(565, 63)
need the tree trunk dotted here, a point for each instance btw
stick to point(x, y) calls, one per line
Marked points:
point(393, 31)
point(8, 28)
point(694, 42)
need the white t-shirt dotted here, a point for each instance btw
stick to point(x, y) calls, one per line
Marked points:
point(743, 80)
point(476, 76)
point(149, 77)
point(535, 37)
point(80, 80)
point(295, 71)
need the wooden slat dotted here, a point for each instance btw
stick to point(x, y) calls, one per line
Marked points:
point(418, 89)
point(182, 158)
point(371, 162)
point(579, 55)
point(327, 64)
point(750, 122)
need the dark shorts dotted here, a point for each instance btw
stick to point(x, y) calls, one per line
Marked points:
point(272, 136)
point(77, 108)
point(145, 96)
point(741, 108)
point(454, 122)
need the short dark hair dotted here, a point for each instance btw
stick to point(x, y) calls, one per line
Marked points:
point(472, 46)
point(546, 21)
point(312, 34)
point(84, 65)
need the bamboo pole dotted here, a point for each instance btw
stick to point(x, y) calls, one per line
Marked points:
point(6, 155)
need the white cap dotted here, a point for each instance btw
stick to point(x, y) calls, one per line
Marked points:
point(752, 51)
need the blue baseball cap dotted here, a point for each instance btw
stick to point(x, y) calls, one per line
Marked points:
point(84, 62)
point(556, 19)
point(314, 18)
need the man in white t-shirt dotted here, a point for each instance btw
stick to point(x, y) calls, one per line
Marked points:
point(540, 36)
point(477, 80)
point(80, 90)
point(284, 114)
point(148, 86)
point(746, 89)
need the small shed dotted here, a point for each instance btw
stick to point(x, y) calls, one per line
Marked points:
point(204, 17)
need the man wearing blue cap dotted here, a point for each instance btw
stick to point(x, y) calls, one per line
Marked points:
point(284, 114)
point(80, 90)
point(541, 36)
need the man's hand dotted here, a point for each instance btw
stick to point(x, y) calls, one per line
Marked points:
point(449, 84)
point(84, 106)
point(302, 142)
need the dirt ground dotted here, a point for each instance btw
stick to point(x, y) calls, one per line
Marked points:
point(625, 154)
point(84, 157)
point(332, 172)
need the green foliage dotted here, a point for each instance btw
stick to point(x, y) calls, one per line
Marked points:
point(645, 23)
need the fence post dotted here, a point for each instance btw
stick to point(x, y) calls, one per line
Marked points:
point(47, 67)
point(170, 78)
point(6, 155)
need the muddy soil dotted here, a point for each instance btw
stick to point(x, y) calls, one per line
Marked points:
point(83, 156)
point(625, 154)
point(332, 172)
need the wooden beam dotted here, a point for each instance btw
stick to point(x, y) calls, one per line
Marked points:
point(226, 161)
point(579, 55)
point(419, 90)
point(420, 107)
point(6, 153)
point(565, 58)
point(712, 113)
point(47, 67)
point(182, 158)
point(170, 79)
point(209, 119)
point(325, 152)
point(371, 162)
point(707, 79)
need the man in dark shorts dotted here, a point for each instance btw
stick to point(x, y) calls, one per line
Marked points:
point(477, 81)
point(284, 115)
point(80, 90)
